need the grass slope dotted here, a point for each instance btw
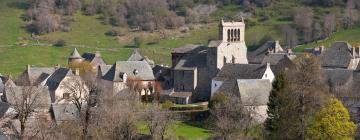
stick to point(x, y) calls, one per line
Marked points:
point(351, 35)
point(188, 130)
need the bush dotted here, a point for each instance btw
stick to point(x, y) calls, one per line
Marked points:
point(167, 104)
point(115, 32)
point(187, 108)
point(138, 41)
point(218, 98)
point(59, 43)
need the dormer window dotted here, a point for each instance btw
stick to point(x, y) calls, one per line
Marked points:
point(66, 95)
point(135, 72)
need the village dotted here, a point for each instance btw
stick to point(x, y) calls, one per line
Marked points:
point(197, 74)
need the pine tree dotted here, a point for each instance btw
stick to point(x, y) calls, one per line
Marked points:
point(274, 104)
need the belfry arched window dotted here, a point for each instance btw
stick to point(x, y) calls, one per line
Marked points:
point(228, 35)
point(238, 34)
point(232, 35)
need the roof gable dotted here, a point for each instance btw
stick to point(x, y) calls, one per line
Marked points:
point(254, 92)
point(338, 55)
point(136, 56)
point(241, 71)
point(116, 72)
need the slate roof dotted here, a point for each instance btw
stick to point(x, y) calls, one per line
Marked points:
point(36, 75)
point(189, 48)
point(274, 59)
point(214, 43)
point(338, 55)
point(254, 92)
point(136, 56)
point(55, 79)
point(241, 71)
point(2, 86)
point(181, 94)
point(257, 56)
point(338, 77)
point(42, 95)
point(3, 108)
point(228, 87)
point(93, 58)
point(104, 69)
point(64, 111)
point(120, 67)
point(75, 54)
point(193, 60)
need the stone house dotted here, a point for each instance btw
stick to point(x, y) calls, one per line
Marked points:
point(56, 83)
point(347, 57)
point(114, 81)
point(35, 75)
point(270, 52)
point(233, 72)
point(253, 93)
point(194, 65)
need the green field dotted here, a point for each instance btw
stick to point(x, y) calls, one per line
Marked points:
point(351, 35)
point(88, 35)
point(188, 130)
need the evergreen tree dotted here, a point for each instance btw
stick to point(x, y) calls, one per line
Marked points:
point(274, 105)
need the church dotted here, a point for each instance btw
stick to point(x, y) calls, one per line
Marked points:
point(196, 67)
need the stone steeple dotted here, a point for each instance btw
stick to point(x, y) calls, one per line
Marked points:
point(75, 56)
point(232, 31)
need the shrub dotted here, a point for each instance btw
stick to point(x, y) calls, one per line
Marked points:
point(115, 32)
point(218, 98)
point(138, 41)
point(167, 104)
point(187, 108)
point(59, 43)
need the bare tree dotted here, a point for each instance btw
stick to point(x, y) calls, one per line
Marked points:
point(80, 97)
point(351, 16)
point(303, 20)
point(158, 121)
point(290, 35)
point(115, 118)
point(318, 31)
point(329, 24)
point(304, 94)
point(25, 100)
point(229, 118)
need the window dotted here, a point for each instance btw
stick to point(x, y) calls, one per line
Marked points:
point(233, 60)
point(66, 95)
point(228, 35)
point(224, 60)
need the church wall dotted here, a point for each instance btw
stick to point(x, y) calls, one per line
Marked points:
point(231, 53)
point(215, 85)
point(185, 80)
point(204, 84)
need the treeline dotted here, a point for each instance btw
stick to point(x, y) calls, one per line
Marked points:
point(45, 16)
point(307, 26)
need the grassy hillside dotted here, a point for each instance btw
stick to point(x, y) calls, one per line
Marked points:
point(88, 35)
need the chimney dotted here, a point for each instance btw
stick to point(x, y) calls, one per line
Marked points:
point(97, 54)
point(77, 72)
point(57, 66)
point(28, 67)
point(353, 52)
point(289, 51)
